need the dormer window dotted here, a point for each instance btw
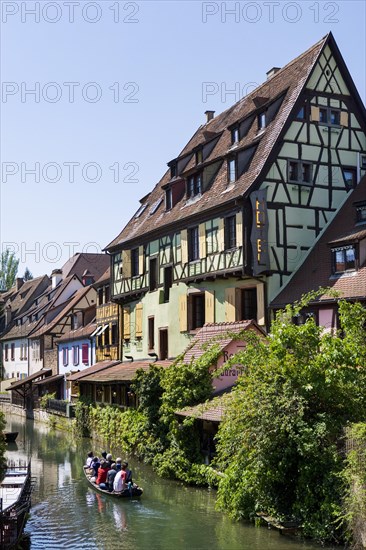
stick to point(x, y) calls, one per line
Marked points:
point(344, 258)
point(361, 213)
point(173, 170)
point(261, 121)
point(168, 199)
point(231, 173)
point(199, 156)
point(194, 185)
point(235, 135)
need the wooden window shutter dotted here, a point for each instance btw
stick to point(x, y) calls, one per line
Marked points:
point(239, 229)
point(138, 320)
point(260, 304)
point(126, 263)
point(183, 324)
point(344, 118)
point(221, 235)
point(202, 240)
point(126, 323)
point(315, 113)
point(184, 245)
point(209, 306)
point(141, 260)
point(230, 309)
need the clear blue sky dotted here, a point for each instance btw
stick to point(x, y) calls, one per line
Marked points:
point(137, 79)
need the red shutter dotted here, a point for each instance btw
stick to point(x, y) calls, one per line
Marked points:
point(85, 354)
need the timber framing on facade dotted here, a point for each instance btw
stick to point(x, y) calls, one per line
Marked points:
point(241, 206)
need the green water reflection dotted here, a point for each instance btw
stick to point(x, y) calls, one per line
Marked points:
point(66, 513)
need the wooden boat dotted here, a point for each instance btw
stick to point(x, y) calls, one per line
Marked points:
point(133, 492)
point(15, 502)
point(10, 437)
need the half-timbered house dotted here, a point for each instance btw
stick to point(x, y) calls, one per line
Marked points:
point(240, 207)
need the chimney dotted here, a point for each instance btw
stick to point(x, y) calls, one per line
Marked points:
point(18, 283)
point(56, 277)
point(272, 72)
point(209, 115)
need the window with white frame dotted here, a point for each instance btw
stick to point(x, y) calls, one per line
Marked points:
point(75, 355)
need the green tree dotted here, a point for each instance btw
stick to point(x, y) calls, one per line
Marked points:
point(27, 275)
point(8, 269)
point(280, 443)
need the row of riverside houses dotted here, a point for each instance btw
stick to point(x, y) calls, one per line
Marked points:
point(267, 200)
point(36, 317)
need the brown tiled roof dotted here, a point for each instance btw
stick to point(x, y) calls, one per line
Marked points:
point(290, 81)
point(122, 372)
point(354, 236)
point(213, 410)
point(104, 278)
point(79, 294)
point(96, 264)
point(49, 380)
point(218, 333)
point(78, 334)
point(30, 378)
point(92, 369)
point(21, 331)
point(316, 270)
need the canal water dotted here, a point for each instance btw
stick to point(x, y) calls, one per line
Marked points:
point(67, 514)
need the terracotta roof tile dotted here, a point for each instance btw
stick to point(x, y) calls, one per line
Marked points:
point(116, 372)
point(218, 333)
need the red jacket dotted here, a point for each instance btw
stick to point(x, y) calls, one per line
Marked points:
point(102, 475)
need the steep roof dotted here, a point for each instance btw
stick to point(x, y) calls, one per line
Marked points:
point(78, 333)
point(96, 264)
point(316, 270)
point(217, 333)
point(105, 277)
point(67, 307)
point(289, 81)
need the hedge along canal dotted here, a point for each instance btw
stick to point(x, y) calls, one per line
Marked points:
point(67, 514)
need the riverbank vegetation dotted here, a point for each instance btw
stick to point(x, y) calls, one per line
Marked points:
point(355, 483)
point(280, 447)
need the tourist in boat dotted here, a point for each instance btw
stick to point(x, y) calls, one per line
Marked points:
point(109, 459)
point(94, 468)
point(102, 474)
point(89, 460)
point(118, 464)
point(110, 477)
point(119, 483)
point(128, 473)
